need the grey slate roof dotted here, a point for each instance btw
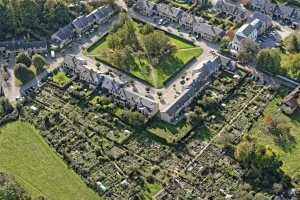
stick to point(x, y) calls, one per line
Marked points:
point(65, 33)
point(168, 10)
point(262, 17)
point(259, 3)
point(285, 11)
point(144, 4)
point(187, 18)
point(119, 89)
point(205, 28)
point(81, 22)
point(203, 75)
point(102, 12)
point(19, 45)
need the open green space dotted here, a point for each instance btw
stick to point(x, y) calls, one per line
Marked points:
point(155, 75)
point(24, 154)
point(171, 133)
point(290, 153)
point(61, 78)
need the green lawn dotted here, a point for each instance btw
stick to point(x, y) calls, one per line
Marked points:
point(156, 75)
point(171, 133)
point(24, 154)
point(289, 154)
point(60, 78)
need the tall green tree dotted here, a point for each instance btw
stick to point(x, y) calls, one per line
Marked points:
point(39, 62)
point(24, 59)
point(269, 60)
point(248, 50)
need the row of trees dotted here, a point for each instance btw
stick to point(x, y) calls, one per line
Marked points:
point(23, 70)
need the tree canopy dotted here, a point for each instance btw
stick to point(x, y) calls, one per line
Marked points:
point(22, 17)
point(24, 59)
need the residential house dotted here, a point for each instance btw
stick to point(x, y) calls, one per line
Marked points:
point(77, 66)
point(207, 32)
point(119, 90)
point(145, 7)
point(63, 36)
point(168, 12)
point(103, 14)
point(290, 102)
point(284, 12)
point(126, 97)
point(83, 23)
point(249, 31)
point(269, 9)
point(258, 24)
point(258, 4)
point(8, 47)
point(173, 113)
point(266, 21)
point(239, 14)
point(187, 20)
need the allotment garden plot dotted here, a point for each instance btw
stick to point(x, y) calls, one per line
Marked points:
point(118, 160)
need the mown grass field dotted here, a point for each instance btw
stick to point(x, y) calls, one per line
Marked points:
point(25, 155)
point(155, 75)
point(290, 152)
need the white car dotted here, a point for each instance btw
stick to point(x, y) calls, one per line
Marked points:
point(160, 21)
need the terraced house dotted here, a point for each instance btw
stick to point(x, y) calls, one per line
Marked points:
point(239, 14)
point(282, 12)
point(168, 12)
point(173, 113)
point(207, 32)
point(8, 47)
point(146, 8)
point(187, 20)
point(81, 24)
point(118, 89)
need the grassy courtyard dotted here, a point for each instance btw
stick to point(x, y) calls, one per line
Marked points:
point(61, 78)
point(25, 155)
point(155, 75)
point(290, 152)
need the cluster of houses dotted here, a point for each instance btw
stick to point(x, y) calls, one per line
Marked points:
point(127, 98)
point(282, 12)
point(82, 24)
point(238, 13)
point(8, 47)
point(188, 21)
point(291, 102)
point(119, 90)
point(258, 23)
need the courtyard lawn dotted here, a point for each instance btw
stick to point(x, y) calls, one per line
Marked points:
point(60, 78)
point(171, 133)
point(290, 153)
point(24, 154)
point(155, 75)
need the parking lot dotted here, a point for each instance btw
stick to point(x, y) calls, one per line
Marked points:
point(269, 40)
